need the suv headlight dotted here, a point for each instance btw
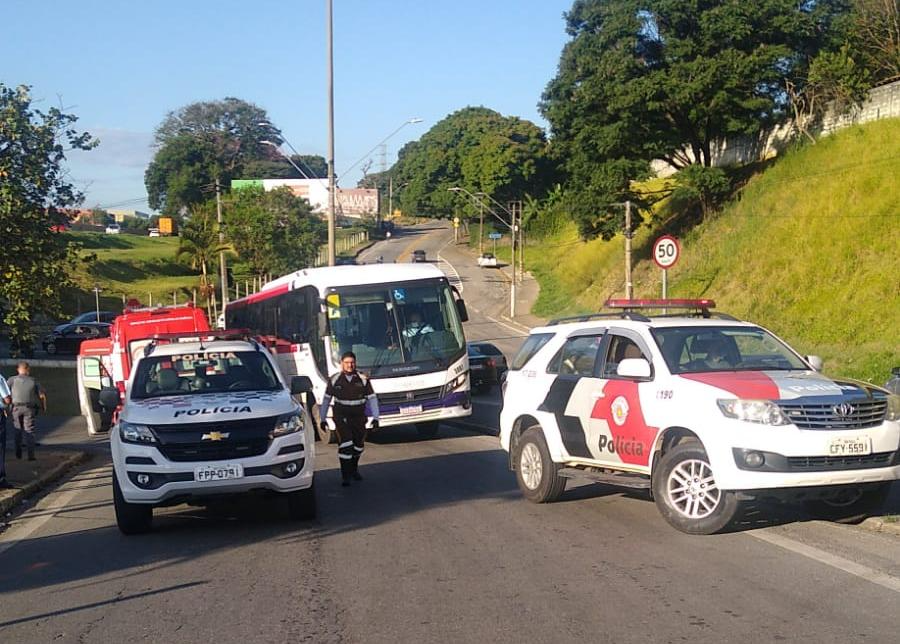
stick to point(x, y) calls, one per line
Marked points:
point(457, 382)
point(138, 434)
point(764, 412)
point(287, 424)
point(893, 408)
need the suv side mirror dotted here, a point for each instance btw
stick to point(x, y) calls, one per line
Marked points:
point(815, 362)
point(109, 398)
point(634, 368)
point(301, 385)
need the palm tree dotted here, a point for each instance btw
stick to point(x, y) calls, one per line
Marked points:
point(199, 243)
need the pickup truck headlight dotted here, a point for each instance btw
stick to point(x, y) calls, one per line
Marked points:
point(893, 408)
point(457, 382)
point(287, 424)
point(138, 434)
point(764, 412)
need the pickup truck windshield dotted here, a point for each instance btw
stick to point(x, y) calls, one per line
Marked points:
point(203, 372)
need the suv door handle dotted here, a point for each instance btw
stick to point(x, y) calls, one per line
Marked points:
point(597, 395)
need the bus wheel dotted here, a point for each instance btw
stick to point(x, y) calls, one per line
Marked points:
point(428, 430)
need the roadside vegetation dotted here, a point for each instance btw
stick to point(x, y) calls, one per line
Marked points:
point(807, 248)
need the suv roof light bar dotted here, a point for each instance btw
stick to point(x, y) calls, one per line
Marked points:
point(200, 336)
point(701, 306)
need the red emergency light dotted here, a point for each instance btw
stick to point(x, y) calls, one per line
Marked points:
point(661, 304)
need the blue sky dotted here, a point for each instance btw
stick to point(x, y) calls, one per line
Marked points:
point(121, 66)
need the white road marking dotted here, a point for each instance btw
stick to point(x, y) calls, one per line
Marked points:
point(503, 324)
point(26, 526)
point(449, 270)
point(851, 567)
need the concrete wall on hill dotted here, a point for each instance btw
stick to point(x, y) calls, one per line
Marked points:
point(883, 102)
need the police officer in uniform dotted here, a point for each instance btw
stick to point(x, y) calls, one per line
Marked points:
point(350, 391)
point(27, 398)
point(5, 400)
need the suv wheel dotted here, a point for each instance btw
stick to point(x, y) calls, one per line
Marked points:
point(852, 505)
point(686, 493)
point(537, 474)
point(51, 348)
point(302, 504)
point(132, 518)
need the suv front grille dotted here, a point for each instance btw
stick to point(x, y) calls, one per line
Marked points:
point(828, 463)
point(863, 413)
point(184, 443)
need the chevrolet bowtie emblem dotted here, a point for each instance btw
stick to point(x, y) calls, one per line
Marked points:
point(215, 436)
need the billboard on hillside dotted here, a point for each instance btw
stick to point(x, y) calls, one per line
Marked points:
point(350, 202)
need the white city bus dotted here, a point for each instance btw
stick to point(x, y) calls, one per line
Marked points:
point(403, 322)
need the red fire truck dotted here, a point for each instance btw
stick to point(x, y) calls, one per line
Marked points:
point(106, 362)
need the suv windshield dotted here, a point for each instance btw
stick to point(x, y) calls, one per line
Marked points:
point(206, 372)
point(390, 325)
point(698, 349)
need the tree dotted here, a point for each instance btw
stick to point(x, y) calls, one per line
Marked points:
point(35, 261)
point(835, 83)
point(875, 37)
point(475, 148)
point(667, 79)
point(313, 166)
point(204, 142)
point(273, 231)
point(199, 244)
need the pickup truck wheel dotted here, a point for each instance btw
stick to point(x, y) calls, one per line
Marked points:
point(302, 504)
point(537, 474)
point(132, 518)
point(686, 494)
point(853, 505)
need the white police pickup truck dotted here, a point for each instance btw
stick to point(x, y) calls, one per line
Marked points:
point(702, 410)
point(205, 417)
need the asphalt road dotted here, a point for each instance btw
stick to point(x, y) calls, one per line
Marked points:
point(436, 545)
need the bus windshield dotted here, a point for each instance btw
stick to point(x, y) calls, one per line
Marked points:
point(387, 326)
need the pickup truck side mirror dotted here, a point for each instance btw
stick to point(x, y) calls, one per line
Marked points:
point(815, 362)
point(301, 385)
point(109, 398)
point(637, 368)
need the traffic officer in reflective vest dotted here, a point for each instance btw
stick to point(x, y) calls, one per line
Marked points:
point(350, 391)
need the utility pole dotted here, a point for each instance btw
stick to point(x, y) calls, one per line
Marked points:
point(390, 212)
point(481, 228)
point(629, 287)
point(330, 71)
point(223, 270)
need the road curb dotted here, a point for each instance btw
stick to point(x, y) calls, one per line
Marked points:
point(42, 481)
point(878, 524)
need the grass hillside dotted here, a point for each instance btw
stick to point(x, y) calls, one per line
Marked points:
point(133, 266)
point(809, 249)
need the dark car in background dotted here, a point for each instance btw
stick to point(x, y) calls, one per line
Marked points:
point(67, 338)
point(488, 349)
point(91, 316)
point(418, 256)
point(485, 366)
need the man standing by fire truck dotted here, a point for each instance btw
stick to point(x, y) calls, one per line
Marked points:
point(350, 391)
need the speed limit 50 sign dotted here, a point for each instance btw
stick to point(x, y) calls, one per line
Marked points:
point(666, 251)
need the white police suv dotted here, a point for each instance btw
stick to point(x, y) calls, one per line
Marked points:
point(204, 418)
point(703, 410)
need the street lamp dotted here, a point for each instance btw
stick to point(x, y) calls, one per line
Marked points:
point(375, 147)
point(512, 229)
